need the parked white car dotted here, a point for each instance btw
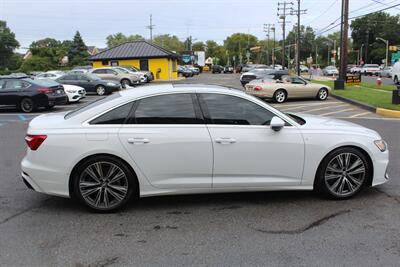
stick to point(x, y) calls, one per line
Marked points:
point(181, 139)
point(74, 93)
point(371, 69)
point(396, 72)
point(330, 71)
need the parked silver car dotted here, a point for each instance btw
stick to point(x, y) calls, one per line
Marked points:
point(116, 74)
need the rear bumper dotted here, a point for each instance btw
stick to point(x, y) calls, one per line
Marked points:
point(43, 179)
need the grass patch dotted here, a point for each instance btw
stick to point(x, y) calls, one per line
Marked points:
point(367, 93)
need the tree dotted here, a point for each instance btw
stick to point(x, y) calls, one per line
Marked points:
point(78, 54)
point(8, 44)
point(169, 42)
point(36, 63)
point(238, 44)
point(216, 51)
point(198, 46)
point(366, 29)
point(307, 42)
point(119, 38)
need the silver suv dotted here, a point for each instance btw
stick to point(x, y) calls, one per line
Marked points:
point(115, 74)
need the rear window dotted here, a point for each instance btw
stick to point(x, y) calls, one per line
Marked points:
point(90, 105)
point(46, 82)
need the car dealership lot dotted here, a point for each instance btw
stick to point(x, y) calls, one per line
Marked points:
point(267, 228)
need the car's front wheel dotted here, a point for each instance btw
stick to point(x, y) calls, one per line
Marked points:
point(104, 183)
point(396, 80)
point(342, 173)
point(322, 94)
point(125, 83)
point(280, 96)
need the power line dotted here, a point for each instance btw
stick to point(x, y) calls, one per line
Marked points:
point(283, 11)
point(355, 17)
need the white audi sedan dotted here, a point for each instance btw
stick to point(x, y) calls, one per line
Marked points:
point(184, 139)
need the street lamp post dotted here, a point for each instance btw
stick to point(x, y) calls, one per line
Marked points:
point(387, 49)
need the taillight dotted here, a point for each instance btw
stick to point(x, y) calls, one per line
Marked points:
point(258, 88)
point(34, 141)
point(44, 90)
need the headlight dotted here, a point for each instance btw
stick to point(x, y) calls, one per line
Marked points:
point(111, 84)
point(381, 145)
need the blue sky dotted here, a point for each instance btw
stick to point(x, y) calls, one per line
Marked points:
point(208, 19)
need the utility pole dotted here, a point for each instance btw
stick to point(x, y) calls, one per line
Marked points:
point(273, 49)
point(151, 27)
point(387, 49)
point(339, 83)
point(298, 13)
point(283, 8)
point(268, 29)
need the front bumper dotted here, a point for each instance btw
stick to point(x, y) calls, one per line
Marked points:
point(58, 100)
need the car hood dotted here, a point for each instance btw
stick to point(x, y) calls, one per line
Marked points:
point(320, 123)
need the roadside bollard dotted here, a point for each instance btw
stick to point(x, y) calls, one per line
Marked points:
point(396, 96)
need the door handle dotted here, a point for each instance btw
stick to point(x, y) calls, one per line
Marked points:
point(225, 140)
point(138, 140)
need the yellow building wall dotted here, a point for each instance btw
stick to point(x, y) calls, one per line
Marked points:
point(165, 66)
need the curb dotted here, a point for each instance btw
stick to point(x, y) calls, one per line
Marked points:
point(388, 112)
point(356, 103)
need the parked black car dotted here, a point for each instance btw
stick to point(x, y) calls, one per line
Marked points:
point(217, 69)
point(28, 94)
point(228, 69)
point(91, 83)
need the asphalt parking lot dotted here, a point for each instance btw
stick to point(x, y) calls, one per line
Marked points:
point(244, 229)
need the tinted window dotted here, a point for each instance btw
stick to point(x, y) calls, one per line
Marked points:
point(225, 109)
point(115, 116)
point(90, 105)
point(16, 84)
point(166, 109)
point(2, 84)
point(82, 77)
point(111, 71)
point(99, 71)
point(68, 77)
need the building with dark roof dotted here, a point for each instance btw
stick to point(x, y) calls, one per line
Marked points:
point(142, 55)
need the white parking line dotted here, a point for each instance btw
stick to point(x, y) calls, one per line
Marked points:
point(360, 114)
point(306, 104)
point(316, 109)
point(335, 112)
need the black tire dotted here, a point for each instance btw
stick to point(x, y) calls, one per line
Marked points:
point(80, 175)
point(323, 94)
point(396, 80)
point(280, 96)
point(125, 82)
point(27, 105)
point(101, 90)
point(324, 180)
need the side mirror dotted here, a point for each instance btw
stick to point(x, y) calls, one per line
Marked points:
point(277, 124)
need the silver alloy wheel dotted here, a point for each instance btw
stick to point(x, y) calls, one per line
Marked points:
point(125, 83)
point(345, 174)
point(280, 96)
point(322, 94)
point(100, 90)
point(103, 185)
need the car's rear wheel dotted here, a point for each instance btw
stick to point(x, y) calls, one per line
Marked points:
point(100, 90)
point(343, 173)
point(125, 83)
point(104, 183)
point(322, 94)
point(280, 96)
point(27, 105)
point(396, 80)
